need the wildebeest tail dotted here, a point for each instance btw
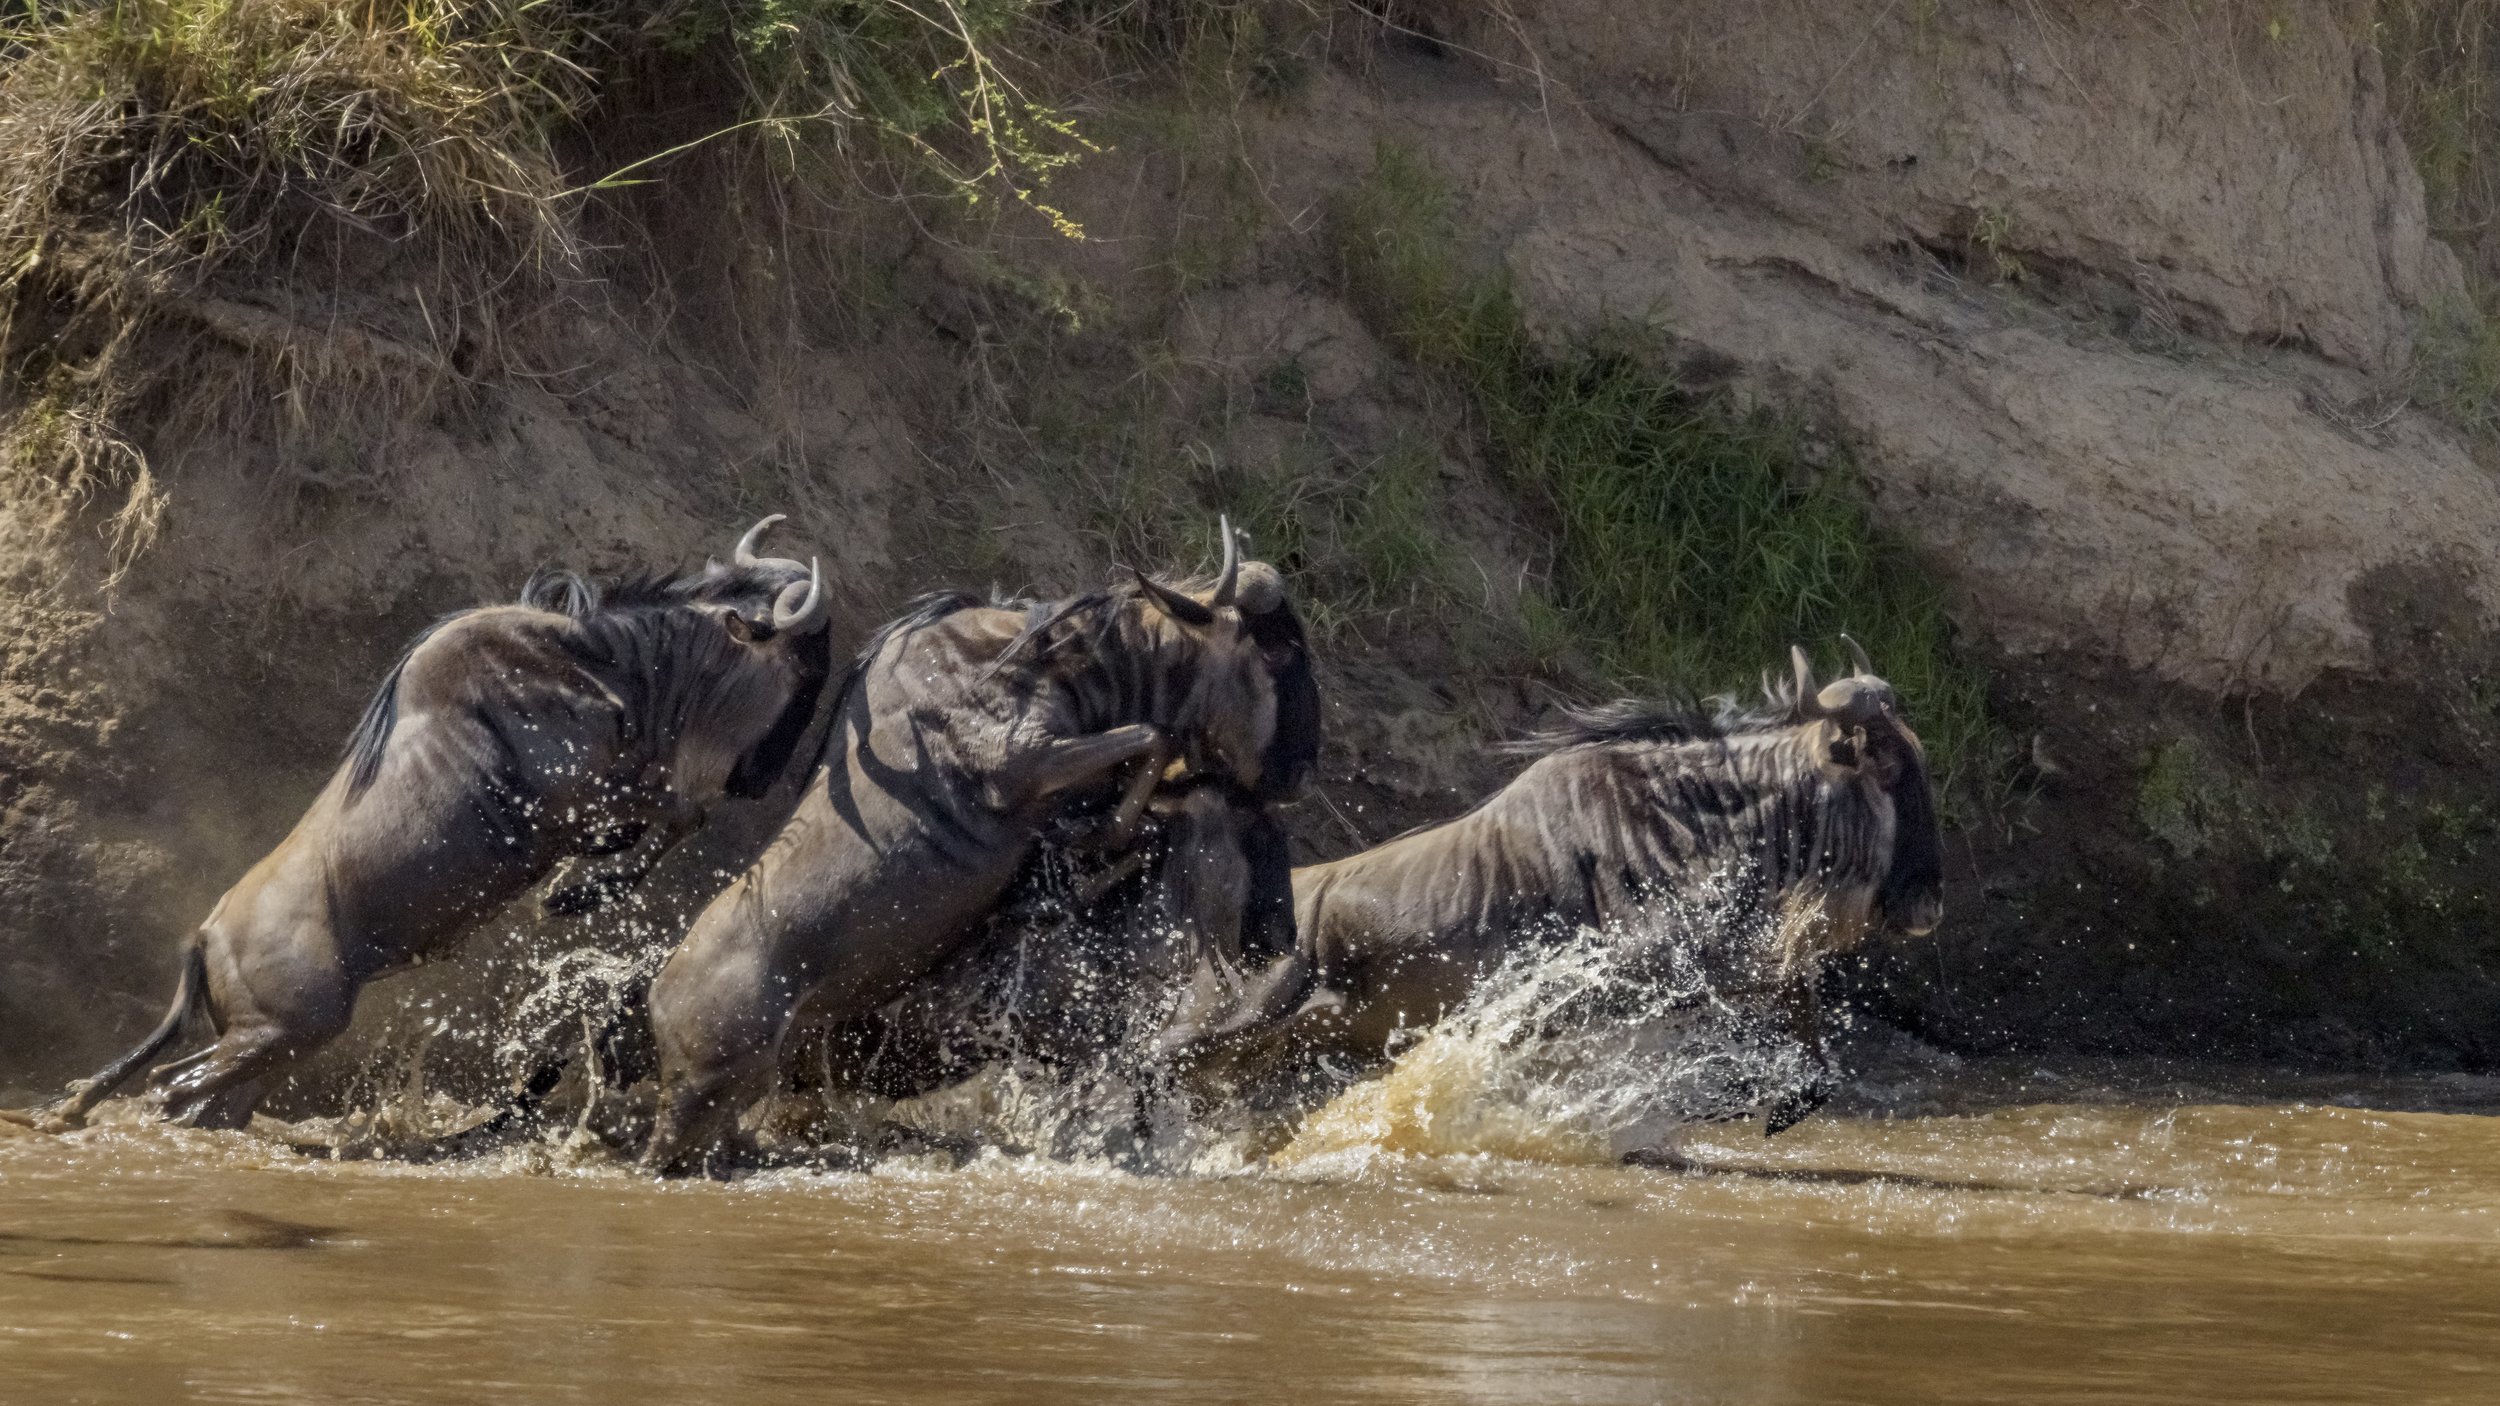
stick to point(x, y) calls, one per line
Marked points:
point(188, 993)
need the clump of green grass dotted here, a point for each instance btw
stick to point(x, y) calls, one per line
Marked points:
point(2443, 87)
point(1366, 534)
point(2456, 367)
point(1694, 539)
point(1363, 537)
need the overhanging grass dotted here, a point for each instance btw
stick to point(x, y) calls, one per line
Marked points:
point(372, 202)
point(1695, 540)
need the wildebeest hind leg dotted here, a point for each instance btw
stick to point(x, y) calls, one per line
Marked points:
point(220, 1086)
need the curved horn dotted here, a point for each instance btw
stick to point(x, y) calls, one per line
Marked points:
point(1228, 580)
point(1176, 605)
point(1809, 706)
point(811, 612)
point(1857, 655)
point(744, 553)
point(1854, 702)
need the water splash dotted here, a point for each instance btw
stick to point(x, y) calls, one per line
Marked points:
point(1580, 1049)
point(578, 986)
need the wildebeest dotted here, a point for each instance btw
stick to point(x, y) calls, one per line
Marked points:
point(1127, 959)
point(961, 730)
point(1816, 809)
point(580, 721)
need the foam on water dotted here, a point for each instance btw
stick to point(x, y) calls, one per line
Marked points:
point(1576, 1050)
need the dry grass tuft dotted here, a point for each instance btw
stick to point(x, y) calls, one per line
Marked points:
point(2443, 86)
point(303, 219)
point(174, 172)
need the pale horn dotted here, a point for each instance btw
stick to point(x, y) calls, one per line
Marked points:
point(1228, 580)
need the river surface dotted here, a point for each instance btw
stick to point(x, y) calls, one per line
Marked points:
point(1977, 1232)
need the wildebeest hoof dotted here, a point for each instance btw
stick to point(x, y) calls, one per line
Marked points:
point(1795, 1108)
point(35, 1118)
point(62, 1115)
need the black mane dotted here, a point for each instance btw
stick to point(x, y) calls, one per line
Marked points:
point(573, 594)
point(1041, 616)
point(363, 752)
point(1667, 720)
point(567, 593)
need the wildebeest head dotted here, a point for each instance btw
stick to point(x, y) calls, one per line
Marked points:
point(1865, 743)
point(747, 582)
point(1249, 708)
point(1276, 628)
point(794, 638)
point(776, 607)
point(772, 607)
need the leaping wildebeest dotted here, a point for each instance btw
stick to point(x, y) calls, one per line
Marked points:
point(1815, 810)
point(578, 722)
point(960, 731)
point(1101, 957)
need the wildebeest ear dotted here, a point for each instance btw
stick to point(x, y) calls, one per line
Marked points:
point(739, 627)
point(1174, 604)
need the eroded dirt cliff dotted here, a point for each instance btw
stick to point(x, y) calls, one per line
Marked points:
point(2107, 312)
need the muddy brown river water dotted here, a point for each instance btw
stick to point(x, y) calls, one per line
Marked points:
point(1977, 1234)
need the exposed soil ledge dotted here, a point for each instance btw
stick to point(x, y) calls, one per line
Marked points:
point(2114, 344)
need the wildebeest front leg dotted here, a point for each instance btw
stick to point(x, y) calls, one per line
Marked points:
point(1074, 761)
point(1801, 1009)
point(583, 885)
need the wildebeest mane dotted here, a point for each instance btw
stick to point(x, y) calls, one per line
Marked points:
point(564, 592)
point(921, 610)
point(585, 599)
point(1666, 720)
point(1624, 720)
point(573, 594)
point(1040, 617)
